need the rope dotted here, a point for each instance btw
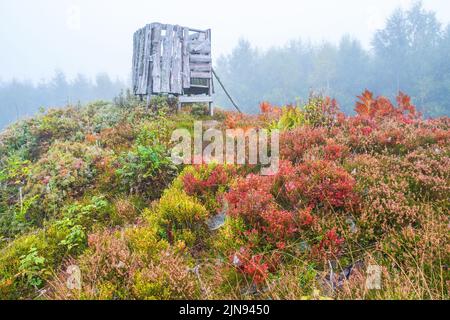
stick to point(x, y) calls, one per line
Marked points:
point(226, 92)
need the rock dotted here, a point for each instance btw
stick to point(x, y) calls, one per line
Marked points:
point(250, 291)
point(333, 281)
point(352, 224)
point(236, 261)
point(218, 221)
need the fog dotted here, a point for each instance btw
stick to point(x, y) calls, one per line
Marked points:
point(59, 52)
point(89, 37)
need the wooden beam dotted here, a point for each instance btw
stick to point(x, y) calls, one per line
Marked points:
point(176, 69)
point(167, 60)
point(201, 67)
point(143, 81)
point(156, 59)
point(195, 99)
point(186, 60)
point(135, 61)
point(203, 48)
point(201, 75)
point(198, 58)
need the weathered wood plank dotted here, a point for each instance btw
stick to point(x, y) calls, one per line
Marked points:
point(186, 60)
point(149, 86)
point(141, 58)
point(211, 81)
point(199, 58)
point(135, 61)
point(166, 60)
point(203, 48)
point(194, 99)
point(156, 58)
point(201, 67)
point(175, 72)
point(143, 83)
point(201, 75)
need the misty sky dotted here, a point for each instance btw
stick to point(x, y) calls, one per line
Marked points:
point(92, 36)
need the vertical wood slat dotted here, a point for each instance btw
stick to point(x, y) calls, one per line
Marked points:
point(184, 56)
point(143, 83)
point(141, 58)
point(186, 63)
point(149, 87)
point(137, 69)
point(211, 86)
point(156, 58)
point(135, 62)
point(175, 73)
point(166, 60)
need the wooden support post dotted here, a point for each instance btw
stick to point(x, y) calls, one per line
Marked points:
point(211, 109)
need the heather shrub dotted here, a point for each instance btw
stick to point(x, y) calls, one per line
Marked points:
point(66, 172)
point(131, 264)
point(101, 115)
point(181, 217)
point(14, 173)
point(118, 138)
point(107, 269)
point(295, 143)
point(28, 262)
point(102, 194)
point(170, 278)
point(321, 112)
point(394, 190)
point(230, 238)
point(32, 138)
point(125, 211)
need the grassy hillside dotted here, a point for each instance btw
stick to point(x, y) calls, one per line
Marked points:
point(94, 187)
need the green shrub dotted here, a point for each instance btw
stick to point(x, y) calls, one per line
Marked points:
point(181, 217)
point(146, 169)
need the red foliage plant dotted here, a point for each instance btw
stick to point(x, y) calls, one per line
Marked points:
point(251, 265)
point(295, 143)
point(334, 151)
point(315, 183)
point(197, 186)
point(323, 182)
point(329, 246)
point(272, 206)
point(381, 107)
point(250, 197)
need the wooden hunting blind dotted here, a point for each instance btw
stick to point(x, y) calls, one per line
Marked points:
point(173, 60)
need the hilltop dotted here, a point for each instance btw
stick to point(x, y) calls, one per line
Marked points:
point(93, 189)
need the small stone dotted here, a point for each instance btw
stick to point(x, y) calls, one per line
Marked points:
point(216, 222)
point(352, 224)
point(236, 261)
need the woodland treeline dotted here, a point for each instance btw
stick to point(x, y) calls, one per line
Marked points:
point(410, 54)
point(19, 99)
